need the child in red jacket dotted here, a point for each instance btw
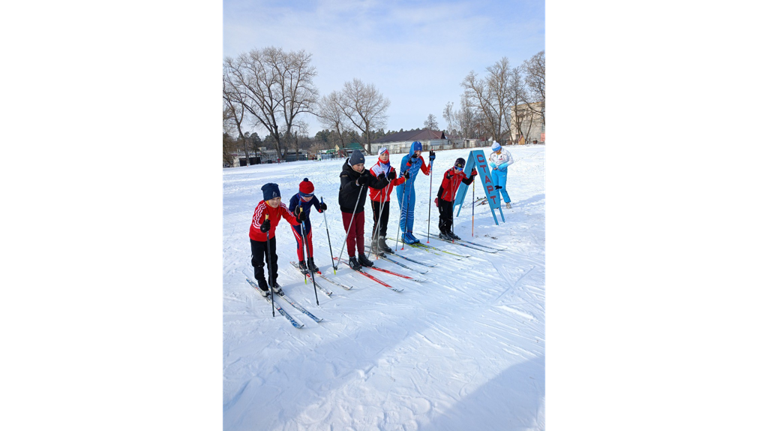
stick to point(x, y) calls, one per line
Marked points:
point(446, 194)
point(266, 216)
point(382, 170)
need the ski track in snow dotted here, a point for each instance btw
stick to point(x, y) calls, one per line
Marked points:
point(462, 350)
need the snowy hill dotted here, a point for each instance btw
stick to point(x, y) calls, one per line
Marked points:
point(462, 350)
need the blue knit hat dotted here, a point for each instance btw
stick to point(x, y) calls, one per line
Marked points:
point(495, 147)
point(356, 158)
point(271, 191)
point(416, 146)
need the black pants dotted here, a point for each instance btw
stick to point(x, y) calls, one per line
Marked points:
point(384, 219)
point(258, 255)
point(446, 215)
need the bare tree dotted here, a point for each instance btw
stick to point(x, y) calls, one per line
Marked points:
point(449, 116)
point(521, 112)
point(228, 146)
point(466, 119)
point(365, 107)
point(535, 79)
point(273, 86)
point(234, 114)
point(330, 113)
point(491, 97)
point(431, 123)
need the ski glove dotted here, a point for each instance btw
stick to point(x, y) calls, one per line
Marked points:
point(265, 226)
point(412, 160)
point(381, 176)
point(431, 155)
point(407, 175)
point(323, 206)
point(474, 172)
point(301, 216)
point(391, 175)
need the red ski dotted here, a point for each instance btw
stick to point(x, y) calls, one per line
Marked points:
point(373, 278)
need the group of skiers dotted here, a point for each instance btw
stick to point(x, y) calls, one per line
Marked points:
point(355, 180)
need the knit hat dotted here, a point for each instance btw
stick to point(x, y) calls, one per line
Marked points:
point(495, 147)
point(271, 191)
point(459, 163)
point(383, 150)
point(416, 146)
point(356, 158)
point(306, 188)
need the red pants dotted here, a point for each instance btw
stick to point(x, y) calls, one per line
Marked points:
point(300, 241)
point(355, 235)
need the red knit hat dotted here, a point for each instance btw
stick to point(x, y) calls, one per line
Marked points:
point(306, 188)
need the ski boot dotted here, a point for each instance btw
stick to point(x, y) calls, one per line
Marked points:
point(364, 260)
point(383, 246)
point(276, 288)
point(454, 236)
point(311, 265)
point(445, 236)
point(509, 204)
point(375, 249)
point(263, 288)
point(353, 264)
point(303, 267)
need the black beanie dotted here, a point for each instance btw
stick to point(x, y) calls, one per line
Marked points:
point(460, 163)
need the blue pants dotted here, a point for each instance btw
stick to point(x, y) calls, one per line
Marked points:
point(407, 203)
point(499, 178)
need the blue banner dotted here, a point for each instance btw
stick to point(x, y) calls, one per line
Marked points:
point(478, 161)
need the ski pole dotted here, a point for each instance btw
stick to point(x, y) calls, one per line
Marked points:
point(473, 208)
point(429, 200)
point(329, 237)
point(378, 220)
point(306, 246)
point(350, 226)
point(269, 271)
point(405, 215)
point(453, 231)
point(400, 199)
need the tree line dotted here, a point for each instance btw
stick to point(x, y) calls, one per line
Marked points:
point(273, 89)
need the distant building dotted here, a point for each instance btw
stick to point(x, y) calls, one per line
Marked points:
point(401, 142)
point(532, 126)
point(348, 148)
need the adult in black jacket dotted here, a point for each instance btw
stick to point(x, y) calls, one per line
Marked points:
point(355, 180)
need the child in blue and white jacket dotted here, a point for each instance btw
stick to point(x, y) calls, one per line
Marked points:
point(499, 161)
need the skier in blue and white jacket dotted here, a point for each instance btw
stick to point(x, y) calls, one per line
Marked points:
point(406, 196)
point(499, 161)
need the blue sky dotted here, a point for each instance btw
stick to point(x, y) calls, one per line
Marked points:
point(416, 53)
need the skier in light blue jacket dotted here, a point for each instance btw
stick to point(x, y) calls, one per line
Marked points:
point(406, 196)
point(499, 161)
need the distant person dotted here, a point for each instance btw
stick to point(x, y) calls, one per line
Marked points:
point(499, 161)
point(446, 194)
point(304, 200)
point(355, 179)
point(382, 170)
point(266, 216)
point(406, 195)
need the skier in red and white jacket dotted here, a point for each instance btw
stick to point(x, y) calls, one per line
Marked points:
point(382, 170)
point(266, 216)
point(446, 194)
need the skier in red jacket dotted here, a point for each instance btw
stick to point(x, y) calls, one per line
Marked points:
point(380, 200)
point(446, 195)
point(266, 216)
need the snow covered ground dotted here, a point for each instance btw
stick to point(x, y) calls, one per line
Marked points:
point(463, 350)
